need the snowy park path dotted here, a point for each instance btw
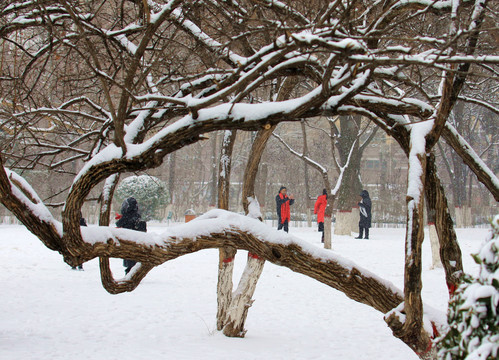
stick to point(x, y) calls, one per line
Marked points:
point(52, 312)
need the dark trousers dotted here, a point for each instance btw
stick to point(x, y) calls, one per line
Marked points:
point(321, 229)
point(128, 264)
point(283, 226)
point(361, 231)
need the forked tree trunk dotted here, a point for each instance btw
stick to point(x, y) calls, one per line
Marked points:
point(242, 298)
point(227, 253)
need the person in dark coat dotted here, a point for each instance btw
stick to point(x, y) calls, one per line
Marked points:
point(283, 203)
point(365, 214)
point(83, 222)
point(130, 219)
point(320, 210)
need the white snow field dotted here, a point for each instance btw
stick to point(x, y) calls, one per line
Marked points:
point(49, 311)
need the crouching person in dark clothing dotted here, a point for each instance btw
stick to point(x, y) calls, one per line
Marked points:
point(365, 214)
point(283, 203)
point(130, 219)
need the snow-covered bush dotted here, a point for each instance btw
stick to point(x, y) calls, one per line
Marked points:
point(474, 310)
point(150, 192)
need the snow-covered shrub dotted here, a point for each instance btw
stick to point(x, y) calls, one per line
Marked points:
point(474, 310)
point(150, 192)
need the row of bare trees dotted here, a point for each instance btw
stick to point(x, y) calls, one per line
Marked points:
point(120, 85)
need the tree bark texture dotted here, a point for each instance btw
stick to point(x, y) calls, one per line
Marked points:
point(214, 168)
point(435, 247)
point(242, 297)
point(171, 177)
point(261, 185)
point(350, 186)
point(241, 300)
point(450, 252)
point(411, 328)
point(226, 253)
point(106, 199)
point(343, 225)
point(224, 284)
point(464, 150)
point(20, 202)
point(354, 219)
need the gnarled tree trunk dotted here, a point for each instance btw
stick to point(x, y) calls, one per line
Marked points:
point(227, 253)
point(241, 300)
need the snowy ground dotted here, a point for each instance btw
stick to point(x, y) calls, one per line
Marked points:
point(52, 312)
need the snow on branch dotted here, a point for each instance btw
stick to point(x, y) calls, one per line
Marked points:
point(23, 191)
point(21, 199)
point(471, 158)
point(335, 190)
point(307, 159)
point(218, 227)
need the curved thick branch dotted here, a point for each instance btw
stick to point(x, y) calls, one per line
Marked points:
point(471, 158)
point(129, 283)
point(17, 196)
point(219, 228)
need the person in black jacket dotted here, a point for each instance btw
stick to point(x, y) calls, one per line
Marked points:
point(365, 214)
point(130, 219)
point(283, 202)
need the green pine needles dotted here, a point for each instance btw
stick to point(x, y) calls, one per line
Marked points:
point(473, 315)
point(150, 192)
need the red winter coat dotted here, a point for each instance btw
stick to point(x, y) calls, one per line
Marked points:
point(320, 207)
point(283, 211)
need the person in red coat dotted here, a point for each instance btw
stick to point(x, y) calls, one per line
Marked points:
point(320, 209)
point(283, 202)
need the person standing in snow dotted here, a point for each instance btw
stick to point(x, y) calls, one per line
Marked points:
point(283, 203)
point(365, 214)
point(130, 219)
point(320, 209)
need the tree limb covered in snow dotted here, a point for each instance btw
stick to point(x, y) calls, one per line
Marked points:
point(122, 94)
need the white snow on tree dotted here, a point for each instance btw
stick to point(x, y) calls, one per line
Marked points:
point(473, 317)
point(150, 192)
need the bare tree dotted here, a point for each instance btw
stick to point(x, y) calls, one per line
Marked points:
point(119, 85)
point(324, 172)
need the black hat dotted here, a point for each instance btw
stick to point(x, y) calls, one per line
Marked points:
point(129, 206)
